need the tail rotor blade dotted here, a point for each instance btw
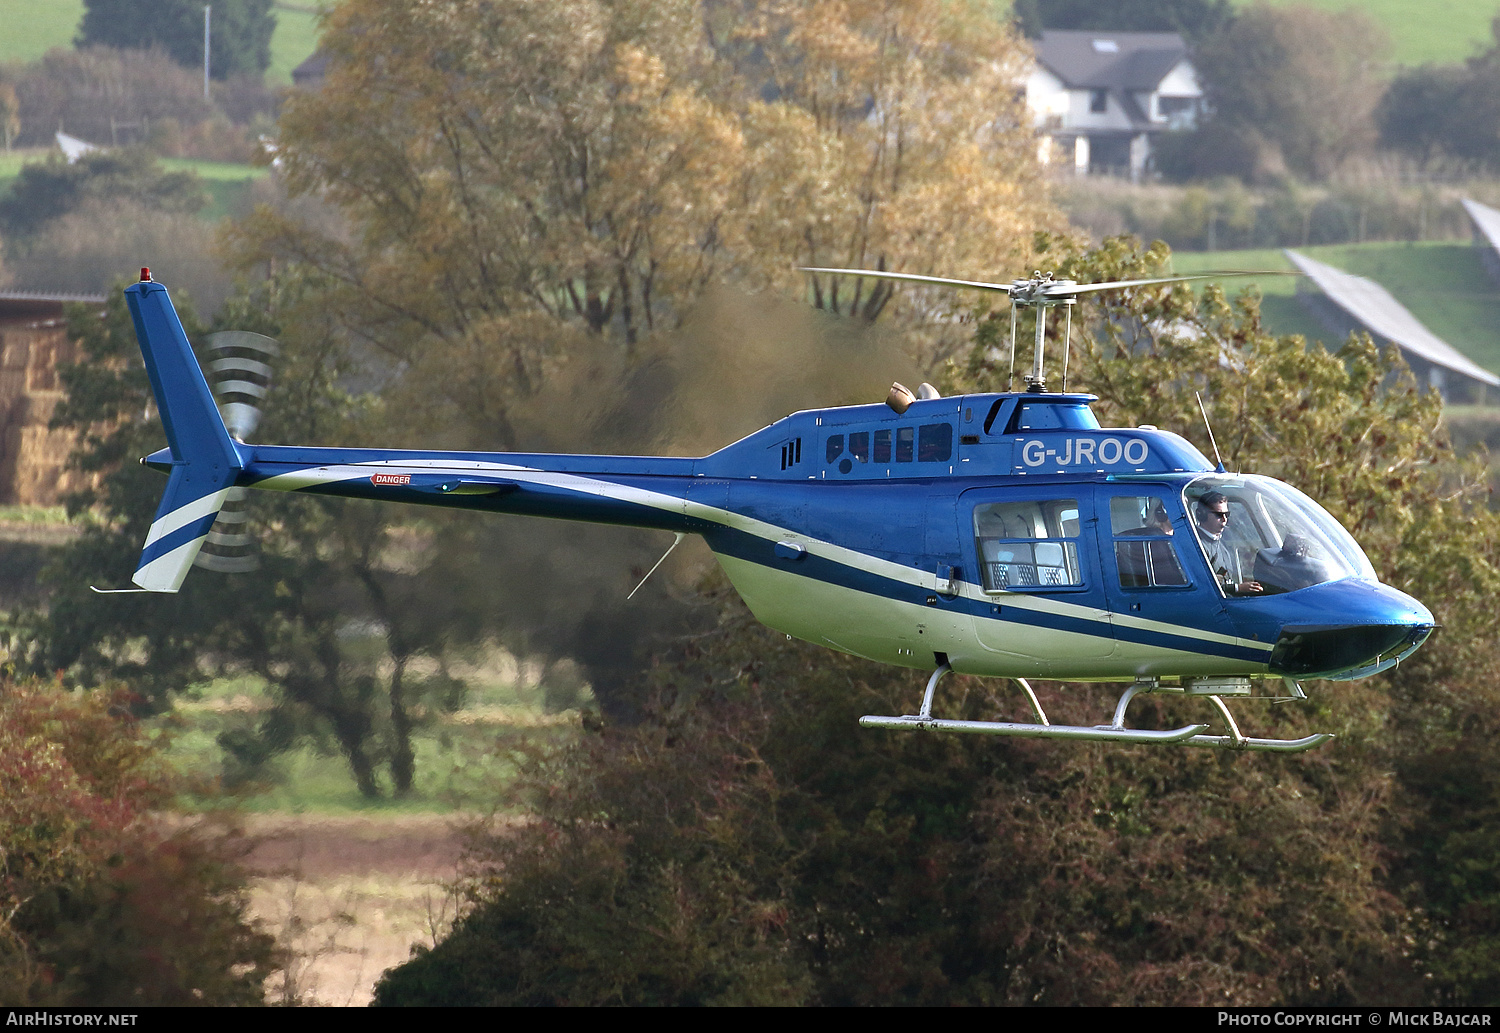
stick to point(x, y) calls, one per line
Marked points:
point(240, 364)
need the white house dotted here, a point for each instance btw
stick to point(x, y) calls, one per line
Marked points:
point(1099, 98)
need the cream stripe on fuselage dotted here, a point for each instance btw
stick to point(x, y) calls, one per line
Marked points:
point(316, 476)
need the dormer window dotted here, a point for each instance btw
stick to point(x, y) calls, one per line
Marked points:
point(1106, 46)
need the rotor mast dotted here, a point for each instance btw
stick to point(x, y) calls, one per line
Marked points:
point(1036, 381)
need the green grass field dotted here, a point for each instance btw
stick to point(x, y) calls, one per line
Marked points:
point(30, 28)
point(460, 755)
point(1443, 31)
point(1422, 31)
point(228, 185)
point(1441, 282)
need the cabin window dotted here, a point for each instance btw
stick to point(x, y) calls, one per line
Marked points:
point(934, 443)
point(1143, 533)
point(1032, 544)
point(905, 437)
point(859, 446)
point(882, 446)
point(989, 420)
point(834, 448)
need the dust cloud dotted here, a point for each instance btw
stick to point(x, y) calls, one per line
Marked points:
point(736, 364)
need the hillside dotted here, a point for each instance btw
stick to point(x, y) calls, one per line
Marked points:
point(33, 27)
point(1441, 282)
point(1422, 31)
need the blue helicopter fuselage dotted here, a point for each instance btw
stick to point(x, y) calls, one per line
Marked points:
point(1002, 534)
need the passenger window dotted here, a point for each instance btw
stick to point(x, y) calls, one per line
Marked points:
point(935, 443)
point(904, 440)
point(835, 447)
point(882, 446)
point(1028, 544)
point(859, 446)
point(1146, 558)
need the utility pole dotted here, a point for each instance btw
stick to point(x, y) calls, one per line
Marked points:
point(206, 10)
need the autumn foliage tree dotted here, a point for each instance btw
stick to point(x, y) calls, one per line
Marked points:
point(99, 904)
point(517, 176)
point(1291, 89)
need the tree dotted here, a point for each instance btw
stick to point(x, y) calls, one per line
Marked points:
point(10, 114)
point(240, 38)
point(325, 563)
point(1418, 109)
point(106, 96)
point(926, 152)
point(50, 190)
point(523, 177)
point(1195, 19)
point(1299, 82)
point(99, 905)
point(1448, 110)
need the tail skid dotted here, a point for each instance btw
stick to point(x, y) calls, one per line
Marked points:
point(205, 460)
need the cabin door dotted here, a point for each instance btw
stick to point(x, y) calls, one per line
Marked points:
point(1037, 561)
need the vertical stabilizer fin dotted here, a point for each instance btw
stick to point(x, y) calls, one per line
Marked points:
point(205, 461)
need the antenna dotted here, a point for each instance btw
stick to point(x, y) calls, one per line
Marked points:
point(1218, 458)
point(1010, 378)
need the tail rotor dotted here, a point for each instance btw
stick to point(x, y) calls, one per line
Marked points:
point(240, 365)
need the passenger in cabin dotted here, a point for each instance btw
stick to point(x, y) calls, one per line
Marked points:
point(1149, 564)
point(1160, 522)
point(1212, 520)
point(1295, 565)
point(1157, 523)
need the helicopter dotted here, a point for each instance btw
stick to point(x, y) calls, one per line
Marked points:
point(1003, 535)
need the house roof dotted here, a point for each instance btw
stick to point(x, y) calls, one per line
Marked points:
point(1371, 306)
point(28, 307)
point(309, 74)
point(1121, 61)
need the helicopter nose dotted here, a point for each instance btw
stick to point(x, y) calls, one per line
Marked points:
point(1348, 629)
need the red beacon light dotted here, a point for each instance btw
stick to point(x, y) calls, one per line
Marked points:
point(145, 275)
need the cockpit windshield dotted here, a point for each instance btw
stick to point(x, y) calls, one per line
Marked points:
point(1256, 529)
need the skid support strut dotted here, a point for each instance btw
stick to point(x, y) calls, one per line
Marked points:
point(1190, 735)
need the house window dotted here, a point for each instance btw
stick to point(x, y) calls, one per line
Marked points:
point(1098, 101)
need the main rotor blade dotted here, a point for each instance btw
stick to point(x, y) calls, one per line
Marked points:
point(874, 274)
point(1065, 289)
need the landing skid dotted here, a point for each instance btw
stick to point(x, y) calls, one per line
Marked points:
point(1187, 735)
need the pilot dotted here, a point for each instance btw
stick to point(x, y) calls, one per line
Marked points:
point(1212, 519)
